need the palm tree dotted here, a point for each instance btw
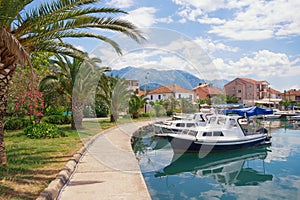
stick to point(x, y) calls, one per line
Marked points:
point(43, 29)
point(232, 99)
point(135, 103)
point(115, 93)
point(75, 79)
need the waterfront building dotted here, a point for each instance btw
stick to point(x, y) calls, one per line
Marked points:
point(292, 95)
point(164, 92)
point(250, 91)
point(204, 91)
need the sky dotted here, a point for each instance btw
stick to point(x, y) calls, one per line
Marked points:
point(216, 39)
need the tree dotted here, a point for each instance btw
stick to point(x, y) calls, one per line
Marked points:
point(76, 80)
point(136, 103)
point(186, 105)
point(115, 93)
point(43, 29)
point(285, 103)
point(232, 99)
point(219, 99)
point(170, 104)
point(158, 107)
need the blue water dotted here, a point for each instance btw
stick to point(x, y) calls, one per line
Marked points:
point(271, 172)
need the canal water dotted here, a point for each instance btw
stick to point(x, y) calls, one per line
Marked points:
point(271, 172)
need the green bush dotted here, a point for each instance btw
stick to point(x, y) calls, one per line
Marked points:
point(42, 130)
point(101, 110)
point(169, 113)
point(54, 111)
point(145, 114)
point(16, 123)
point(57, 119)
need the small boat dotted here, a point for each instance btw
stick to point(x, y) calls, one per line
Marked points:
point(272, 116)
point(222, 133)
point(177, 126)
point(296, 118)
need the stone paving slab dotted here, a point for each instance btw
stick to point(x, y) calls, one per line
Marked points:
point(108, 169)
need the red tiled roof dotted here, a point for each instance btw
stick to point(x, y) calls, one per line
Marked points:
point(248, 80)
point(141, 92)
point(293, 92)
point(203, 91)
point(272, 91)
point(169, 89)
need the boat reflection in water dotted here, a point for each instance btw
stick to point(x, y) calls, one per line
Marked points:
point(227, 168)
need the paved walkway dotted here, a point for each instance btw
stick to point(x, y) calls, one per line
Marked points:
point(108, 169)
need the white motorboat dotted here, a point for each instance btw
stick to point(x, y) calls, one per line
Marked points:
point(221, 133)
point(178, 126)
point(272, 116)
point(296, 118)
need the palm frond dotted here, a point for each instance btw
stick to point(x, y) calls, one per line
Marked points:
point(9, 10)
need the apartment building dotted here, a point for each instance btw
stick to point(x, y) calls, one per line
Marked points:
point(248, 90)
point(292, 95)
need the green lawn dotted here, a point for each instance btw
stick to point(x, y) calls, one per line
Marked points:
point(33, 163)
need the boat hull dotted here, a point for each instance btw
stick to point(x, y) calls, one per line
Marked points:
point(181, 145)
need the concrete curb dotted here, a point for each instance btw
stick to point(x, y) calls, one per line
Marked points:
point(55, 186)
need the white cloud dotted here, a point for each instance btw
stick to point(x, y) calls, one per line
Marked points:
point(263, 65)
point(211, 20)
point(120, 3)
point(211, 46)
point(248, 21)
point(262, 20)
point(142, 17)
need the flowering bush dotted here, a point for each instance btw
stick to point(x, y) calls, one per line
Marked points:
point(42, 130)
point(25, 95)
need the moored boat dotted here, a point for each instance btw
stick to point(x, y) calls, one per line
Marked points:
point(296, 118)
point(272, 116)
point(222, 133)
point(177, 126)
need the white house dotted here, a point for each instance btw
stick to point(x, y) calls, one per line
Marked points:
point(164, 92)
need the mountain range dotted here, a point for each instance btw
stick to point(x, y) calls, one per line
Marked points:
point(154, 78)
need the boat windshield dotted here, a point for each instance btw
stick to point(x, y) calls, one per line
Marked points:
point(217, 120)
point(249, 125)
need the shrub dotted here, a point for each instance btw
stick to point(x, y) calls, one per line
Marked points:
point(101, 110)
point(42, 130)
point(145, 114)
point(54, 111)
point(16, 123)
point(57, 119)
point(169, 113)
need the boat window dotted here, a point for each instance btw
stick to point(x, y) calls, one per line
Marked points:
point(212, 120)
point(193, 133)
point(218, 133)
point(190, 125)
point(207, 134)
point(232, 123)
point(180, 125)
point(221, 120)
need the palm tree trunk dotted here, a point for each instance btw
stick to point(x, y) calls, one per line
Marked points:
point(77, 113)
point(6, 72)
point(2, 145)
